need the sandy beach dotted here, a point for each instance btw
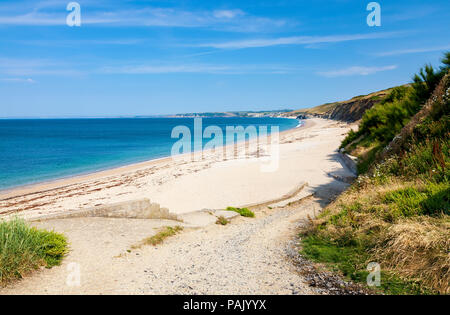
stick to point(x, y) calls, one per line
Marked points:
point(306, 154)
point(205, 258)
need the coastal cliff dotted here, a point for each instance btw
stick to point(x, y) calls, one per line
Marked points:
point(348, 111)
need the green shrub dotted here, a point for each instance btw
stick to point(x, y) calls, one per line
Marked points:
point(425, 82)
point(23, 249)
point(352, 136)
point(54, 247)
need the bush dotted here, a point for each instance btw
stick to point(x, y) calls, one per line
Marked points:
point(23, 249)
point(352, 136)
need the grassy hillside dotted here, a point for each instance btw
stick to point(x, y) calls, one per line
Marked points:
point(384, 121)
point(397, 213)
point(350, 110)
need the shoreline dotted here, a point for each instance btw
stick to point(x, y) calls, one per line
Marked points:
point(62, 182)
point(305, 155)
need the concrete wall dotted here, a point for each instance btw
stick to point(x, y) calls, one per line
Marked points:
point(349, 161)
point(136, 209)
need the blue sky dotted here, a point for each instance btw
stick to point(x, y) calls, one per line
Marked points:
point(163, 57)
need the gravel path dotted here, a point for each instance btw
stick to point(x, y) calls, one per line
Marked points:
point(247, 256)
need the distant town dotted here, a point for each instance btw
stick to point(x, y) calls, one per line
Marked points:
point(256, 114)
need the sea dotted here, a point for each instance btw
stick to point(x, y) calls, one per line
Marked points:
point(40, 150)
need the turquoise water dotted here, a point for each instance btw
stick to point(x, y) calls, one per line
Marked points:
point(37, 150)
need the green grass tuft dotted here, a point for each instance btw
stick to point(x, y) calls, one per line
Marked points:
point(24, 249)
point(222, 220)
point(242, 211)
point(432, 199)
point(159, 237)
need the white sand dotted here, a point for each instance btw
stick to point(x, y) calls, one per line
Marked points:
point(306, 154)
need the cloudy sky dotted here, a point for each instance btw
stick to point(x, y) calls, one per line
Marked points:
point(160, 57)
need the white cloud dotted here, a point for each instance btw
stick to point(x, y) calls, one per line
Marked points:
point(411, 12)
point(195, 68)
point(351, 71)
point(153, 69)
point(412, 51)
point(33, 18)
point(32, 67)
point(75, 42)
point(19, 68)
point(22, 80)
point(231, 20)
point(296, 40)
point(228, 14)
